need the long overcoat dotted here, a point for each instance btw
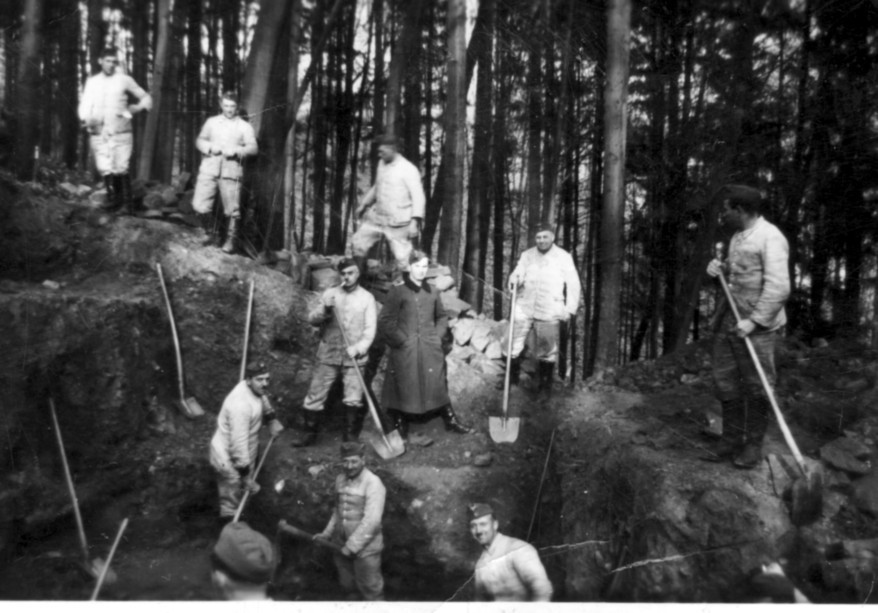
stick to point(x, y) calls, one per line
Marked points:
point(412, 323)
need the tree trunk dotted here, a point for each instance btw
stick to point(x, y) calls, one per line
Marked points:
point(68, 84)
point(472, 285)
point(163, 164)
point(380, 82)
point(499, 158)
point(534, 142)
point(405, 51)
point(160, 70)
point(290, 145)
point(230, 11)
point(28, 82)
point(618, 37)
point(97, 32)
point(193, 117)
point(455, 135)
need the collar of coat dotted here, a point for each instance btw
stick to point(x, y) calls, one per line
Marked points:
point(407, 281)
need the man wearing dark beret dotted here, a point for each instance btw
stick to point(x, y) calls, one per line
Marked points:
point(234, 446)
point(509, 569)
point(243, 562)
point(757, 269)
point(356, 525)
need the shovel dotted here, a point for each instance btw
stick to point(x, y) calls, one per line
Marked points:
point(807, 493)
point(247, 332)
point(505, 429)
point(106, 569)
point(286, 528)
point(255, 474)
point(189, 406)
point(391, 444)
point(96, 567)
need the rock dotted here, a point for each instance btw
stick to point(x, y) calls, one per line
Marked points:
point(494, 350)
point(857, 385)
point(51, 284)
point(315, 470)
point(98, 199)
point(181, 181)
point(74, 191)
point(689, 379)
point(500, 330)
point(169, 195)
point(819, 343)
point(151, 214)
point(851, 574)
point(485, 365)
point(463, 353)
point(481, 334)
point(324, 278)
point(463, 330)
point(184, 203)
point(453, 305)
point(483, 459)
point(780, 474)
point(862, 548)
point(865, 495)
point(845, 454)
point(420, 440)
point(838, 481)
point(153, 201)
point(443, 282)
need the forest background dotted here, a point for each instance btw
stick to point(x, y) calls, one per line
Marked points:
point(616, 120)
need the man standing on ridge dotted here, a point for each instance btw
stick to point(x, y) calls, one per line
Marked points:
point(549, 289)
point(105, 113)
point(224, 141)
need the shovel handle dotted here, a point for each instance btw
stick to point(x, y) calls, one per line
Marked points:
point(293, 531)
point(509, 351)
point(103, 575)
point(788, 436)
point(158, 268)
point(373, 411)
point(247, 331)
point(255, 474)
point(83, 543)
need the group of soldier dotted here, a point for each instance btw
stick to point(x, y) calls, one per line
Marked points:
point(412, 324)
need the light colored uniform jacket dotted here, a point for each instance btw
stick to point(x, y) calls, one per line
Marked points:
point(359, 315)
point(237, 139)
point(105, 102)
point(544, 277)
point(236, 438)
point(356, 520)
point(758, 272)
point(398, 194)
point(511, 570)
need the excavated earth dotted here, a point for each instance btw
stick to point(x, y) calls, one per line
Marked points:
point(605, 479)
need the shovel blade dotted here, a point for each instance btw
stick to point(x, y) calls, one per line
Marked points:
point(388, 446)
point(503, 429)
point(191, 408)
point(806, 505)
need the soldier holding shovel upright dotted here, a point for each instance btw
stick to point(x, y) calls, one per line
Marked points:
point(759, 283)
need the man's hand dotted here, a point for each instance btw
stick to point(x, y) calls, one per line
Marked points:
point(352, 352)
point(230, 153)
point(361, 209)
point(320, 536)
point(216, 150)
point(514, 281)
point(347, 552)
point(745, 327)
point(329, 300)
point(92, 126)
point(275, 427)
point(252, 486)
point(714, 268)
point(414, 227)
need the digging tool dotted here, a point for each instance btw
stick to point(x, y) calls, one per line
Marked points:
point(189, 406)
point(96, 567)
point(286, 528)
point(807, 493)
point(505, 429)
point(391, 444)
point(247, 331)
point(255, 474)
point(540, 488)
point(105, 570)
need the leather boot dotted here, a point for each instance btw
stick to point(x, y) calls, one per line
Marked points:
point(400, 423)
point(209, 225)
point(309, 436)
point(546, 373)
point(231, 243)
point(126, 196)
point(755, 424)
point(353, 423)
point(110, 185)
point(514, 374)
point(451, 422)
point(734, 435)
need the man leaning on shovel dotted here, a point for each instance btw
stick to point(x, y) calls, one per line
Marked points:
point(356, 524)
point(759, 283)
point(234, 446)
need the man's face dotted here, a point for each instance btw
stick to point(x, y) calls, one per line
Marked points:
point(229, 108)
point(259, 383)
point(353, 465)
point(484, 529)
point(108, 64)
point(732, 216)
point(386, 153)
point(418, 270)
point(350, 276)
point(544, 240)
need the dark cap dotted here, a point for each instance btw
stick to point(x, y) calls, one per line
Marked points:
point(545, 227)
point(479, 509)
point(354, 448)
point(245, 554)
point(347, 263)
point(776, 588)
point(388, 139)
point(741, 196)
point(254, 369)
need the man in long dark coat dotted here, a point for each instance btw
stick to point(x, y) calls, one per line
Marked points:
point(413, 323)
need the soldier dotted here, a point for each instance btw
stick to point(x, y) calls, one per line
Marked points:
point(242, 563)
point(106, 114)
point(233, 448)
point(356, 524)
point(224, 141)
point(356, 309)
point(509, 569)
